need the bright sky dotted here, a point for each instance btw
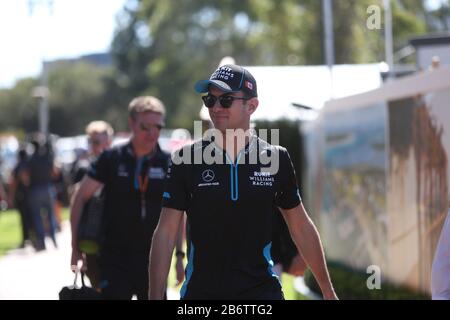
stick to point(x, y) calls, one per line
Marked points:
point(434, 4)
point(74, 27)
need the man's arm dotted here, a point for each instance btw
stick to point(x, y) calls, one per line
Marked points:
point(180, 254)
point(163, 242)
point(307, 240)
point(82, 194)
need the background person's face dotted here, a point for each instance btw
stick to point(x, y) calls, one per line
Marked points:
point(98, 142)
point(146, 128)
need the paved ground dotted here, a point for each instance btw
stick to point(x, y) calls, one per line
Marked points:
point(26, 274)
point(29, 275)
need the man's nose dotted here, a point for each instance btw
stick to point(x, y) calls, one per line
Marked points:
point(217, 106)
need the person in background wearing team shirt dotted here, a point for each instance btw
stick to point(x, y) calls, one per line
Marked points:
point(99, 135)
point(132, 176)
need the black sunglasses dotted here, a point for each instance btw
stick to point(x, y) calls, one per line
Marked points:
point(225, 101)
point(148, 128)
point(94, 142)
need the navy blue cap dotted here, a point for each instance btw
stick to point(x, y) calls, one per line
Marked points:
point(230, 78)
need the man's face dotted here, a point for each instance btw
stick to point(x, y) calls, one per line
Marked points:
point(98, 142)
point(235, 117)
point(146, 128)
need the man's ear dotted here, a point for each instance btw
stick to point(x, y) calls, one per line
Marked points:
point(252, 104)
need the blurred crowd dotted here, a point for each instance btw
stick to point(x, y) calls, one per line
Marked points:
point(43, 171)
point(37, 189)
point(38, 183)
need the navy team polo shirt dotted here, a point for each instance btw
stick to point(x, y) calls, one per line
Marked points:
point(127, 232)
point(229, 206)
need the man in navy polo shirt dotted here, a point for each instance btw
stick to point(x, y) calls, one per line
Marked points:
point(132, 176)
point(229, 183)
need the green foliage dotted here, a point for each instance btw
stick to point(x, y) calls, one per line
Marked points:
point(18, 109)
point(79, 93)
point(289, 136)
point(287, 282)
point(163, 47)
point(76, 92)
point(407, 23)
point(10, 229)
point(350, 284)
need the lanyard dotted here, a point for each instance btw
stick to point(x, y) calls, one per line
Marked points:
point(143, 186)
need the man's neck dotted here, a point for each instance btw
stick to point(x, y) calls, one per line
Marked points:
point(233, 142)
point(140, 152)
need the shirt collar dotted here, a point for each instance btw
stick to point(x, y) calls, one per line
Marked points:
point(150, 155)
point(249, 146)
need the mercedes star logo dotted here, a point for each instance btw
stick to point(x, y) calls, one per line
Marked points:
point(208, 175)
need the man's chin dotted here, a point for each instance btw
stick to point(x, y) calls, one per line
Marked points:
point(221, 126)
point(150, 146)
point(220, 121)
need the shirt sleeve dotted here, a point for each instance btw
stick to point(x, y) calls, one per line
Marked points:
point(288, 196)
point(99, 168)
point(176, 194)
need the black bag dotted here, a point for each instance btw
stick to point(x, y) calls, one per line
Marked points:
point(90, 228)
point(76, 293)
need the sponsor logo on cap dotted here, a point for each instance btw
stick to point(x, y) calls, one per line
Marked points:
point(249, 85)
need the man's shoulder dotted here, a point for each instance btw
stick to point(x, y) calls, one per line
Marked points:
point(115, 152)
point(263, 145)
point(191, 147)
point(103, 168)
point(187, 154)
point(162, 154)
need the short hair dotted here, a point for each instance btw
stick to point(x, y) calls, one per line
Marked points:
point(101, 127)
point(145, 104)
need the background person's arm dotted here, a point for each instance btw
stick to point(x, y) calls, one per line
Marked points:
point(12, 191)
point(307, 240)
point(2, 192)
point(164, 239)
point(83, 193)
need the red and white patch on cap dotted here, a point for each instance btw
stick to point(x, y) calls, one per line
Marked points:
point(249, 85)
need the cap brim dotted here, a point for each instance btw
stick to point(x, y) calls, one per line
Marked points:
point(202, 86)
